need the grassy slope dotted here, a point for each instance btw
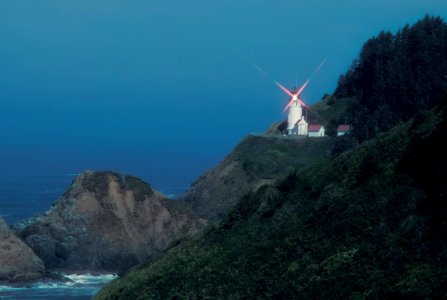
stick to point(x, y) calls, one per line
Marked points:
point(254, 161)
point(370, 224)
point(329, 109)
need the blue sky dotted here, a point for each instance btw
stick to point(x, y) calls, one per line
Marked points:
point(164, 89)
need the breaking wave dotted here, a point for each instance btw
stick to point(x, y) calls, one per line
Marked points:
point(79, 286)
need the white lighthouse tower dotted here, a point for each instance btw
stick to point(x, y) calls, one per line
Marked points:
point(296, 123)
point(295, 115)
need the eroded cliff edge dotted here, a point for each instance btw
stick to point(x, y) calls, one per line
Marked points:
point(106, 221)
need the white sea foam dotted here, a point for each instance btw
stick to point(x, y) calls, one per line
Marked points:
point(91, 279)
point(87, 281)
point(5, 288)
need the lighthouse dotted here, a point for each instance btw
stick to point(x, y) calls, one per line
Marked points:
point(296, 123)
point(295, 115)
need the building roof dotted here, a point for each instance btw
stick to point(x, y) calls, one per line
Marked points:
point(343, 128)
point(314, 128)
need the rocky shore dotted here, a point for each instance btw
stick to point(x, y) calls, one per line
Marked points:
point(105, 222)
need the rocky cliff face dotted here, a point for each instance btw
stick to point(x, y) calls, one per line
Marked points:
point(256, 161)
point(17, 261)
point(106, 222)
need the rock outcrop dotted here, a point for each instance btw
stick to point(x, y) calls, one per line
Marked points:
point(106, 222)
point(17, 261)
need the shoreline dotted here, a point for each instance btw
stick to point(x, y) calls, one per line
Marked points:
point(61, 278)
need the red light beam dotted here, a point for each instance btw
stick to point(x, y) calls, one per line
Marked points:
point(284, 89)
point(295, 96)
point(302, 88)
point(319, 66)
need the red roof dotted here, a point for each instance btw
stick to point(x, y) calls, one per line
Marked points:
point(343, 128)
point(314, 128)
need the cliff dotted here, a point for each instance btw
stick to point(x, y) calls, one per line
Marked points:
point(369, 224)
point(17, 260)
point(256, 161)
point(106, 222)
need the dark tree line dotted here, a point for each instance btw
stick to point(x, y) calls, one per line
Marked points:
point(395, 76)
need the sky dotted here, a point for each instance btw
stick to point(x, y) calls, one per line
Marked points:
point(164, 89)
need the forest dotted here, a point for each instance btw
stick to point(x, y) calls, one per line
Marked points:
point(395, 76)
point(370, 223)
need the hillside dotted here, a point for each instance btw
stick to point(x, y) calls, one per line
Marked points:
point(369, 224)
point(256, 161)
point(349, 220)
point(395, 76)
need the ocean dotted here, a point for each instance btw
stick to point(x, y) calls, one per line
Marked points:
point(25, 195)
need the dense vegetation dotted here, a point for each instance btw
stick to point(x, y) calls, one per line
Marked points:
point(395, 76)
point(330, 112)
point(257, 160)
point(370, 224)
point(264, 157)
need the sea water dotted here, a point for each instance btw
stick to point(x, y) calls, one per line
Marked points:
point(23, 196)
